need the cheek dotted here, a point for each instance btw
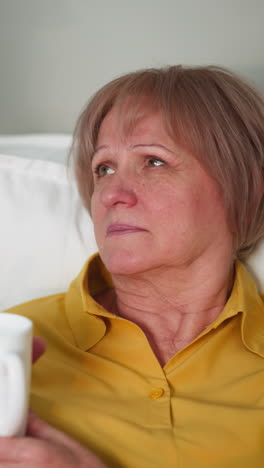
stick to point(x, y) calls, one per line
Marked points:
point(96, 207)
point(185, 205)
point(208, 205)
point(93, 207)
point(96, 215)
point(170, 202)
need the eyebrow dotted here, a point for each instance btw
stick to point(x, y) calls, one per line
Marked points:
point(139, 145)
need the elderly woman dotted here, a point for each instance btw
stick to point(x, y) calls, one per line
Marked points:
point(155, 354)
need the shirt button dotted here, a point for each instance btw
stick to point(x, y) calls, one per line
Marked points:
point(156, 393)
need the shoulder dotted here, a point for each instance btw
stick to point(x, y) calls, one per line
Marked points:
point(37, 307)
point(48, 314)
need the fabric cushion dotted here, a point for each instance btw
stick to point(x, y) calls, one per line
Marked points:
point(47, 147)
point(46, 235)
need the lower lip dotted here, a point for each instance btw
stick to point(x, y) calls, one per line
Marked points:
point(123, 231)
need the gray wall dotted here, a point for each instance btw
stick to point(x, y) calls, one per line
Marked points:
point(55, 53)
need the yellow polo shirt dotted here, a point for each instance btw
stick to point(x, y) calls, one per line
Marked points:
point(100, 382)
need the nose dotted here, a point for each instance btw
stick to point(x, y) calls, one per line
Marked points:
point(119, 191)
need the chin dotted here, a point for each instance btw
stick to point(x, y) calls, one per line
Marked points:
point(123, 262)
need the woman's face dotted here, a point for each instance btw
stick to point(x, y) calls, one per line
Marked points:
point(153, 204)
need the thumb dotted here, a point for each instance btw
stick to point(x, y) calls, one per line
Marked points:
point(40, 429)
point(38, 348)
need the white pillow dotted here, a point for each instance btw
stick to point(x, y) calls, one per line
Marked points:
point(46, 235)
point(47, 147)
point(255, 265)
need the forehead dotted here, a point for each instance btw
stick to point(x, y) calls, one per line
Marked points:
point(129, 123)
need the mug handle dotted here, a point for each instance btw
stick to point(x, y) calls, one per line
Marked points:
point(12, 410)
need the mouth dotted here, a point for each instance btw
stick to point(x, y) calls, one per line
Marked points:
point(120, 229)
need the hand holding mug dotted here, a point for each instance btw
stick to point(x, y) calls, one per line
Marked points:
point(44, 446)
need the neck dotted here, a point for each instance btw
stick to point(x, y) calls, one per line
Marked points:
point(173, 305)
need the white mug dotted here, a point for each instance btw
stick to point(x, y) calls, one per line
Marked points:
point(15, 373)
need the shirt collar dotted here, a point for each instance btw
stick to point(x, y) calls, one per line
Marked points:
point(84, 314)
point(246, 299)
point(87, 317)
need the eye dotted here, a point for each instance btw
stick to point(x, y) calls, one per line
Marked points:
point(155, 162)
point(102, 170)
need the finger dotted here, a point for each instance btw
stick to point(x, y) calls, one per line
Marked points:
point(29, 452)
point(38, 348)
point(40, 429)
point(14, 450)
